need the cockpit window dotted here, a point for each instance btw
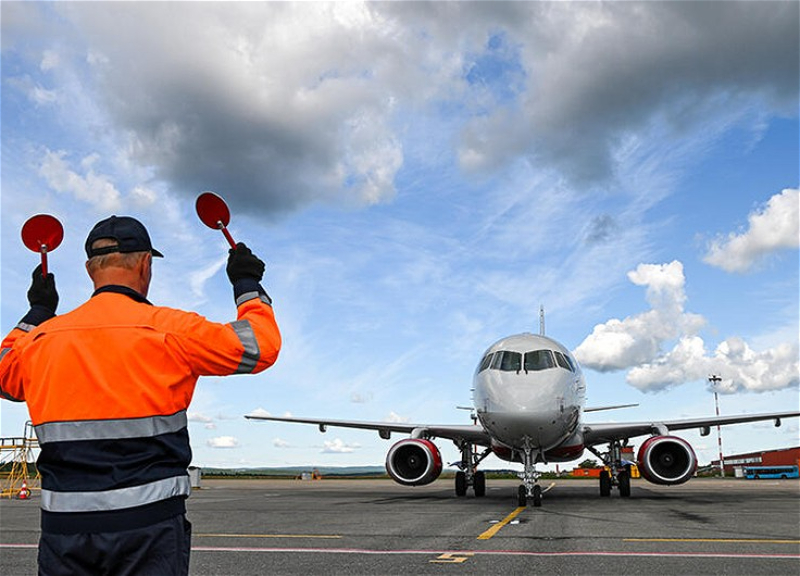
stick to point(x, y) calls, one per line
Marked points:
point(533, 361)
point(539, 360)
point(571, 361)
point(507, 361)
point(563, 361)
point(487, 360)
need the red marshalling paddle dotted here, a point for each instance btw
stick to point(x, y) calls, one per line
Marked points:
point(42, 233)
point(214, 213)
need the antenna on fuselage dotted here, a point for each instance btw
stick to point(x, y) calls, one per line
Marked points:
point(541, 320)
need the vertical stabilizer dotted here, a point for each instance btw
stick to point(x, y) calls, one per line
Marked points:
point(541, 320)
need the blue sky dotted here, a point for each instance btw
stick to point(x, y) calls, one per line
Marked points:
point(420, 178)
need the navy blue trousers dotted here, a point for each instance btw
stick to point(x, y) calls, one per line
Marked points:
point(161, 549)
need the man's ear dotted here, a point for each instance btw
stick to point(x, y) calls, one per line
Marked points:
point(147, 262)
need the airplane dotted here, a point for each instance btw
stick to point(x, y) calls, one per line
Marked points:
point(529, 394)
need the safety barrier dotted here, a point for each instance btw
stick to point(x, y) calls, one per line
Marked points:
point(18, 452)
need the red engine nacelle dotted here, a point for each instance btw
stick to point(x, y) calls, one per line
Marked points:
point(414, 462)
point(666, 460)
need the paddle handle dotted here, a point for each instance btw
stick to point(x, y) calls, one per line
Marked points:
point(44, 261)
point(227, 234)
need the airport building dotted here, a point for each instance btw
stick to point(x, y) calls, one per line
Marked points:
point(735, 463)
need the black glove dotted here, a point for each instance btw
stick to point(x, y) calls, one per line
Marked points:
point(43, 290)
point(242, 263)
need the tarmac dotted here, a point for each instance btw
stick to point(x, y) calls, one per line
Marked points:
point(257, 527)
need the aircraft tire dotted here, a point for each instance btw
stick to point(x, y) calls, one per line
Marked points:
point(461, 484)
point(537, 496)
point(522, 495)
point(624, 484)
point(479, 484)
point(605, 484)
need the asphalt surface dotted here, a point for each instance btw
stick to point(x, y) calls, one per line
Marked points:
point(242, 527)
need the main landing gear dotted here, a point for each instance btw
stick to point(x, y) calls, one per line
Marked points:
point(468, 474)
point(529, 489)
point(616, 474)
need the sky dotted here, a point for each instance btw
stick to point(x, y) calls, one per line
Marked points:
point(420, 178)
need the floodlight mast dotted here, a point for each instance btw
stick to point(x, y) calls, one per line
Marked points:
point(714, 379)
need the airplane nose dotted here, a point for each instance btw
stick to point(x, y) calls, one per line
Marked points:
point(542, 426)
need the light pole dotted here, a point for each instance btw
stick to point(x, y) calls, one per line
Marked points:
point(714, 379)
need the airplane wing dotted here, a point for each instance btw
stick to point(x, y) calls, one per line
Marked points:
point(469, 433)
point(601, 433)
point(614, 407)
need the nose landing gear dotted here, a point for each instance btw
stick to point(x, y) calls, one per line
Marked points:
point(529, 489)
point(535, 495)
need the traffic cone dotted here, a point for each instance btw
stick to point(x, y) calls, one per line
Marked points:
point(24, 493)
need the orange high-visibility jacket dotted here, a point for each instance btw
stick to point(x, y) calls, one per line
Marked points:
point(107, 387)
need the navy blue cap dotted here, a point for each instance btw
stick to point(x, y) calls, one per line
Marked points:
point(130, 234)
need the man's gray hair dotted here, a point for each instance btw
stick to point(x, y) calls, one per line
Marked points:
point(128, 260)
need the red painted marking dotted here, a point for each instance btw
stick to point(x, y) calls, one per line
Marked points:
point(487, 552)
point(462, 552)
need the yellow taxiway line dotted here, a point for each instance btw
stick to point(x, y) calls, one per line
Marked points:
point(718, 540)
point(496, 528)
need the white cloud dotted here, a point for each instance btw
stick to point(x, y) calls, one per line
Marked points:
point(774, 227)
point(33, 90)
point(286, 104)
point(50, 60)
point(199, 417)
point(259, 412)
point(142, 197)
point(198, 278)
point(396, 418)
point(221, 416)
point(223, 442)
point(281, 443)
point(207, 421)
point(291, 104)
point(92, 188)
point(637, 343)
point(619, 344)
point(597, 72)
point(361, 398)
point(42, 96)
point(740, 367)
point(746, 369)
point(94, 58)
point(337, 446)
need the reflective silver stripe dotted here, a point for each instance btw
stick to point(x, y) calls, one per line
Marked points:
point(110, 429)
point(25, 327)
point(247, 337)
point(247, 296)
point(119, 499)
point(3, 352)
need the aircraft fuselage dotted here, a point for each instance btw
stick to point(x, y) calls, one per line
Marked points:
point(530, 392)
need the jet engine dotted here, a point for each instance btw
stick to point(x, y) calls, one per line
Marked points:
point(666, 460)
point(414, 462)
